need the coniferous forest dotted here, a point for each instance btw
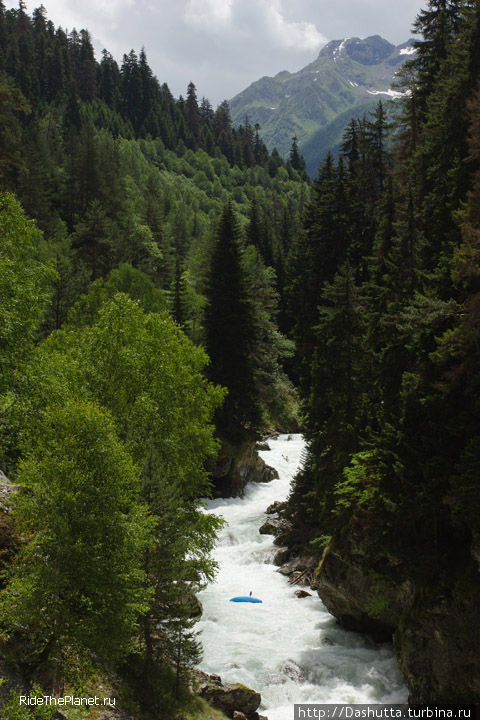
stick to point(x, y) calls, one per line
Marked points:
point(171, 292)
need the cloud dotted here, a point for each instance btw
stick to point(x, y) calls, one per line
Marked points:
point(208, 13)
point(242, 19)
point(304, 35)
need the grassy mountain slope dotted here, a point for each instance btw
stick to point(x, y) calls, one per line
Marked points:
point(348, 78)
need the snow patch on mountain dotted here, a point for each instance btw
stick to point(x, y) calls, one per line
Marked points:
point(391, 93)
point(338, 52)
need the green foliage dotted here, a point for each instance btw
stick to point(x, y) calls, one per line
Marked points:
point(124, 279)
point(144, 419)
point(359, 486)
point(25, 287)
point(78, 580)
point(13, 710)
point(380, 598)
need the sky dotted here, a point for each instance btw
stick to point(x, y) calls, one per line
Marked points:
point(224, 45)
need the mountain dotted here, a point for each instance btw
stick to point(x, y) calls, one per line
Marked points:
point(348, 78)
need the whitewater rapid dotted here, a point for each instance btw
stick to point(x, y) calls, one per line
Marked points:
point(290, 650)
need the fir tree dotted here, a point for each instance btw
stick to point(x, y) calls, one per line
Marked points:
point(229, 330)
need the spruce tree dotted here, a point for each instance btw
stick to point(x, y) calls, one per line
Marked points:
point(229, 331)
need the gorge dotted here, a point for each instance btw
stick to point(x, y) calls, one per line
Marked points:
point(291, 650)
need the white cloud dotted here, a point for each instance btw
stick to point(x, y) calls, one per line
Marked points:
point(302, 35)
point(250, 18)
point(205, 12)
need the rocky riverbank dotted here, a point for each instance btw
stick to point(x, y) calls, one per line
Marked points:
point(297, 564)
point(236, 466)
point(434, 628)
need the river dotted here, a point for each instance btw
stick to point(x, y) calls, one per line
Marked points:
point(290, 650)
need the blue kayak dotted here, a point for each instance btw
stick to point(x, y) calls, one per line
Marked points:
point(245, 598)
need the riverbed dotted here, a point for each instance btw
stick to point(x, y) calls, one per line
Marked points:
point(290, 650)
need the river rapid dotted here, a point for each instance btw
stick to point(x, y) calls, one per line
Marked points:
point(290, 650)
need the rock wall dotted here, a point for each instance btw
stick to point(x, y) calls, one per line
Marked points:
point(436, 631)
point(236, 466)
point(362, 597)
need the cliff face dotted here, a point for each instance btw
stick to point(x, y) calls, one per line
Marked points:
point(435, 629)
point(437, 644)
point(236, 466)
point(363, 596)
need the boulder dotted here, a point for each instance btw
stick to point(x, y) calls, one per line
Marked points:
point(262, 446)
point(288, 568)
point(302, 594)
point(280, 527)
point(293, 671)
point(281, 556)
point(229, 698)
point(7, 490)
point(275, 507)
point(232, 698)
point(282, 539)
point(271, 526)
point(301, 566)
point(9, 540)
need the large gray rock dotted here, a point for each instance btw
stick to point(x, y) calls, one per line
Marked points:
point(7, 490)
point(271, 526)
point(281, 556)
point(275, 507)
point(263, 446)
point(292, 670)
point(9, 539)
point(280, 527)
point(359, 596)
point(302, 566)
point(229, 698)
point(236, 466)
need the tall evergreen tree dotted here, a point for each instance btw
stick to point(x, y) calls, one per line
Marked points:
point(229, 331)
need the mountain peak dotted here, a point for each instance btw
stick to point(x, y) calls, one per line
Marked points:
point(315, 103)
point(369, 51)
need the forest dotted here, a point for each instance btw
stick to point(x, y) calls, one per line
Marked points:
point(169, 288)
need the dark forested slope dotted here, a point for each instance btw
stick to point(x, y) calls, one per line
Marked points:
point(384, 292)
